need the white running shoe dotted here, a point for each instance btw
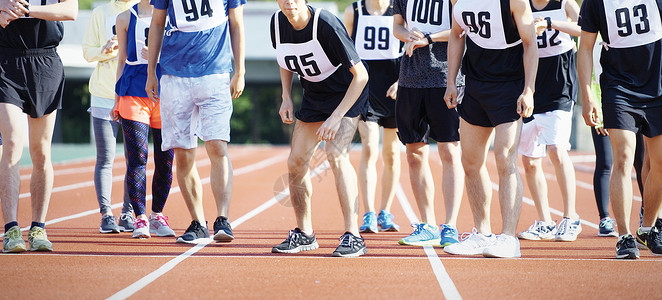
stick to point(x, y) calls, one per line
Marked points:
point(141, 230)
point(539, 231)
point(506, 246)
point(158, 224)
point(568, 230)
point(473, 244)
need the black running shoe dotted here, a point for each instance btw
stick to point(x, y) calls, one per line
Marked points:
point(626, 247)
point(654, 241)
point(296, 241)
point(350, 246)
point(195, 234)
point(222, 230)
point(642, 239)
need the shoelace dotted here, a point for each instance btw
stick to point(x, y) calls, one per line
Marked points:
point(450, 232)
point(140, 223)
point(39, 233)
point(367, 218)
point(128, 218)
point(607, 223)
point(163, 220)
point(195, 227)
point(346, 240)
point(563, 226)
point(384, 218)
point(418, 227)
point(13, 234)
point(468, 235)
point(108, 220)
point(628, 241)
point(293, 237)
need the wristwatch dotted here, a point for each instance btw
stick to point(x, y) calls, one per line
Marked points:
point(427, 36)
point(549, 22)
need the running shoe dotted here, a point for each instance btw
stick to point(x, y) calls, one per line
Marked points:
point(194, 234)
point(13, 241)
point(222, 230)
point(369, 223)
point(449, 235)
point(505, 246)
point(473, 243)
point(350, 246)
point(126, 223)
point(539, 230)
point(626, 247)
point(38, 239)
point(141, 231)
point(385, 221)
point(296, 242)
point(606, 227)
point(158, 224)
point(424, 234)
point(642, 239)
point(108, 225)
point(654, 241)
point(568, 230)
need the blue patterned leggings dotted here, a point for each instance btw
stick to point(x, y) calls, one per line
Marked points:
point(136, 153)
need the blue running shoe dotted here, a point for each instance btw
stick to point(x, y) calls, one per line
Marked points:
point(606, 227)
point(369, 223)
point(424, 234)
point(385, 222)
point(449, 235)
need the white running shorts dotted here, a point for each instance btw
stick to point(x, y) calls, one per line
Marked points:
point(549, 128)
point(193, 107)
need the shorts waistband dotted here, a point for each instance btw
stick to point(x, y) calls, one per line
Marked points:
point(28, 52)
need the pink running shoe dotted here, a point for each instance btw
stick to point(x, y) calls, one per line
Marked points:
point(141, 231)
point(158, 224)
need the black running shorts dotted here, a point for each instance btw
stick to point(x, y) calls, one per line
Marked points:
point(32, 80)
point(647, 120)
point(421, 113)
point(488, 104)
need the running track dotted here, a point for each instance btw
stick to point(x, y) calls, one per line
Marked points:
point(89, 265)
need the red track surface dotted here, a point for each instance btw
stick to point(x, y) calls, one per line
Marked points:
point(89, 265)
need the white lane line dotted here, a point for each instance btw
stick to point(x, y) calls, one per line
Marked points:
point(557, 212)
point(206, 180)
point(142, 282)
point(649, 259)
point(90, 183)
point(151, 277)
point(445, 282)
point(585, 185)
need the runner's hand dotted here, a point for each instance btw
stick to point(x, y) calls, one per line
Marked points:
point(450, 97)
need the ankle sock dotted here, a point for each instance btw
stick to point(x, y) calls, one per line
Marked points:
point(42, 225)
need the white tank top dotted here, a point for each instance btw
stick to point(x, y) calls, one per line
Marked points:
point(307, 59)
point(429, 15)
point(374, 37)
point(197, 15)
point(141, 32)
point(483, 23)
point(632, 23)
point(553, 42)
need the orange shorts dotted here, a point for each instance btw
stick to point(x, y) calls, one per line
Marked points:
point(141, 110)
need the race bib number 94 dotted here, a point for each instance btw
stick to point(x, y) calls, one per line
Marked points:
point(198, 15)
